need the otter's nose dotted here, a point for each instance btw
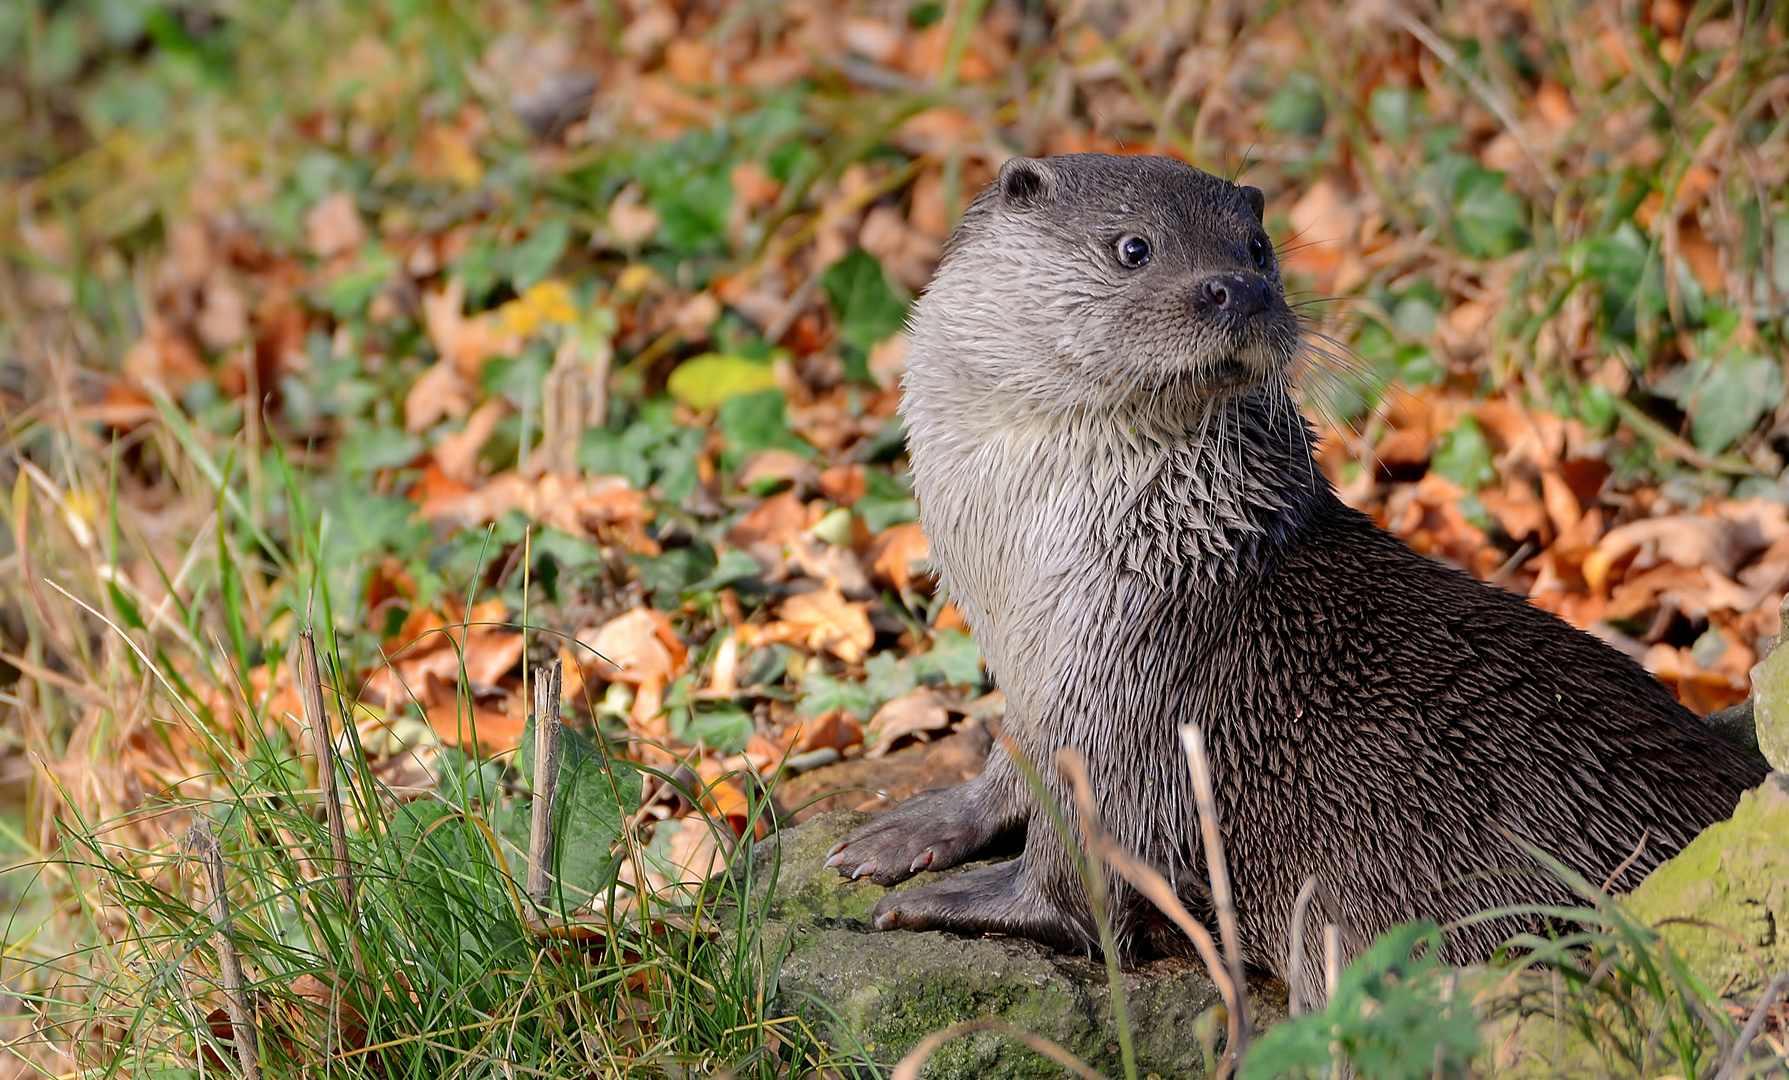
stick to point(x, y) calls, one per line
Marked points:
point(1237, 294)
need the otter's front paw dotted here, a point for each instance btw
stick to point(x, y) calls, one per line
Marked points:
point(993, 899)
point(931, 831)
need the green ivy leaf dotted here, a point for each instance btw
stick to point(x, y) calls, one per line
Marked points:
point(1296, 108)
point(869, 309)
point(821, 693)
point(725, 728)
point(534, 258)
point(595, 793)
point(757, 421)
point(1390, 109)
point(954, 660)
point(1735, 393)
point(1464, 456)
point(1489, 220)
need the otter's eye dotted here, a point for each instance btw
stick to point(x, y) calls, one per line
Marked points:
point(1133, 251)
point(1259, 251)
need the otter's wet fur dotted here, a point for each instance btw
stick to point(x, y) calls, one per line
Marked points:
point(1121, 497)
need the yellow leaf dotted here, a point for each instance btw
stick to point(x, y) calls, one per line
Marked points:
point(705, 381)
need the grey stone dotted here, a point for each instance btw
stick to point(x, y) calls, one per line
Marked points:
point(882, 993)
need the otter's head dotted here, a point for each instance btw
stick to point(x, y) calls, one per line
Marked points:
point(1088, 282)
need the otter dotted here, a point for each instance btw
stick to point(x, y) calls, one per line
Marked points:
point(1121, 498)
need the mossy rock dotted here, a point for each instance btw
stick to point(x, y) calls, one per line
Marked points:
point(1734, 880)
point(882, 993)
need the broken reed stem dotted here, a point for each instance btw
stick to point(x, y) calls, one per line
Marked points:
point(1295, 965)
point(1072, 765)
point(1222, 898)
point(203, 843)
point(1332, 959)
point(547, 683)
point(310, 688)
point(1146, 880)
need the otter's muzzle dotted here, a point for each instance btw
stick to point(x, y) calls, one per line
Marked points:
point(1237, 295)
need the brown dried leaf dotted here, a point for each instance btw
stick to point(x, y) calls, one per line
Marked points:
point(440, 392)
point(466, 343)
point(1680, 539)
point(639, 648)
point(604, 509)
point(457, 454)
point(823, 620)
point(768, 530)
point(496, 730)
point(916, 712)
point(333, 227)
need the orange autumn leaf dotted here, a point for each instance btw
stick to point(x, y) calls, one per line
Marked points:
point(824, 621)
point(899, 553)
point(496, 731)
point(464, 342)
point(639, 647)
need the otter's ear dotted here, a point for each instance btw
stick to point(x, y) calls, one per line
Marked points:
point(1026, 180)
point(1257, 202)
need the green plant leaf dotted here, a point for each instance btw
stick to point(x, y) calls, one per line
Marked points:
point(534, 258)
point(868, 308)
point(822, 693)
point(1389, 1019)
point(1296, 108)
point(725, 728)
point(954, 660)
point(595, 794)
point(1729, 400)
point(1489, 218)
point(1464, 456)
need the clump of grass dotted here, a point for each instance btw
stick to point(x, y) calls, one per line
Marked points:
point(434, 963)
point(1606, 995)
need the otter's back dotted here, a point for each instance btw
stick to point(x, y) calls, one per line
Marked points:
point(1387, 717)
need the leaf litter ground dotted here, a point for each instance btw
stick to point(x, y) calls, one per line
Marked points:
point(496, 333)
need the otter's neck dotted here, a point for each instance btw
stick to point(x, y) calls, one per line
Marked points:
point(1046, 525)
point(1230, 482)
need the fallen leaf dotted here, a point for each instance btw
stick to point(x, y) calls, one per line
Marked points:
point(843, 484)
point(496, 731)
point(1680, 539)
point(1325, 222)
point(466, 343)
point(604, 508)
point(836, 729)
point(333, 227)
point(774, 466)
point(913, 713)
point(831, 564)
point(163, 360)
point(441, 392)
point(695, 853)
point(898, 554)
point(768, 530)
point(457, 454)
point(823, 620)
point(1522, 516)
point(639, 648)
point(631, 222)
point(445, 153)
